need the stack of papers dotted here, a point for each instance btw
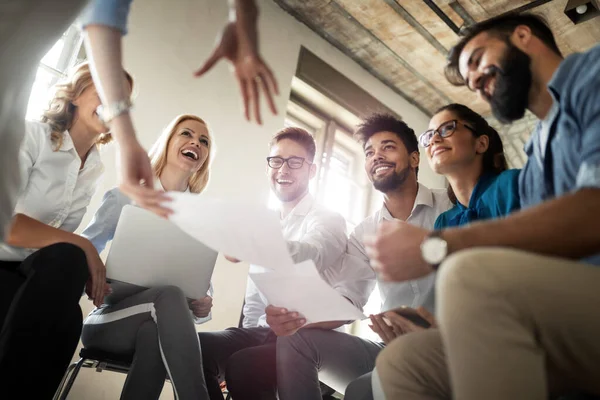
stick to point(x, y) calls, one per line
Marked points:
point(252, 233)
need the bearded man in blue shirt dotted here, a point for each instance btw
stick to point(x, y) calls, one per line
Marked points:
point(517, 298)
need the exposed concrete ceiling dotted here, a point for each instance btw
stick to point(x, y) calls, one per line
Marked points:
point(404, 44)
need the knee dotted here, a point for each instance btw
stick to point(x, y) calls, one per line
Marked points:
point(68, 251)
point(359, 389)
point(464, 270)
point(403, 358)
point(171, 293)
point(298, 344)
point(65, 261)
point(475, 274)
point(71, 256)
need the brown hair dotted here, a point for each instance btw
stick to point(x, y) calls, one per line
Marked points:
point(61, 110)
point(493, 159)
point(502, 26)
point(158, 153)
point(298, 135)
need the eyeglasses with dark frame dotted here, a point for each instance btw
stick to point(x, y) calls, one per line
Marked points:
point(292, 162)
point(445, 130)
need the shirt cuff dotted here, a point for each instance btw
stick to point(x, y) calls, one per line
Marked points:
point(588, 176)
point(198, 320)
point(111, 13)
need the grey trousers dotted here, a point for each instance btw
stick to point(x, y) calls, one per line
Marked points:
point(155, 325)
point(310, 355)
point(360, 388)
point(28, 29)
point(366, 387)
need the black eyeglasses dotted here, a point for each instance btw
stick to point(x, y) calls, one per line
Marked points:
point(292, 162)
point(444, 130)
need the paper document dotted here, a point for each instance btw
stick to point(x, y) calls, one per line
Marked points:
point(252, 233)
point(303, 290)
point(248, 232)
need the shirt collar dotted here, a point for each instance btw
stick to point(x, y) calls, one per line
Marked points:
point(93, 158)
point(303, 207)
point(560, 78)
point(67, 142)
point(158, 186)
point(424, 198)
point(484, 182)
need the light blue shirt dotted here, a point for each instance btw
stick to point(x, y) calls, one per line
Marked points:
point(564, 150)
point(111, 13)
point(104, 224)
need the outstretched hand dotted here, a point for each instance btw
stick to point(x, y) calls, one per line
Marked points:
point(252, 73)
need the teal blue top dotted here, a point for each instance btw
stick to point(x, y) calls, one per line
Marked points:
point(494, 196)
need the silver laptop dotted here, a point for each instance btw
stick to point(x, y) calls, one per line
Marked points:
point(150, 251)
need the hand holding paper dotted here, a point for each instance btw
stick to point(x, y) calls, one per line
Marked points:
point(304, 291)
point(284, 322)
point(252, 233)
point(247, 232)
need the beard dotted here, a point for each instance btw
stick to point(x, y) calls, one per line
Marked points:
point(513, 83)
point(392, 182)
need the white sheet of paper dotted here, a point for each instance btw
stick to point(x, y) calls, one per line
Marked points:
point(248, 232)
point(304, 291)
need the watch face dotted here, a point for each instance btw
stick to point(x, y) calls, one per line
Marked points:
point(434, 250)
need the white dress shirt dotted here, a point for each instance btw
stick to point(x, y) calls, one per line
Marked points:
point(312, 232)
point(103, 226)
point(429, 203)
point(54, 189)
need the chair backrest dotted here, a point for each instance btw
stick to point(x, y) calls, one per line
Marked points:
point(241, 321)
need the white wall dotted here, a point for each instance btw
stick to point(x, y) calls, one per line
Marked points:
point(167, 41)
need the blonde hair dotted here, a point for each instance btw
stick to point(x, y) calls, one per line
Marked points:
point(61, 110)
point(158, 153)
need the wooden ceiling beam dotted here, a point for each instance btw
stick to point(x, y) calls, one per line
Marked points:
point(464, 14)
point(400, 60)
point(346, 51)
point(417, 26)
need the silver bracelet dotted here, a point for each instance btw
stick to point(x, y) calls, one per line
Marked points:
point(113, 110)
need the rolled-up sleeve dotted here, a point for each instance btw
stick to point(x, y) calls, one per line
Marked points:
point(357, 277)
point(586, 104)
point(324, 242)
point(254, 306)
point(111, 13)
point(101, 229)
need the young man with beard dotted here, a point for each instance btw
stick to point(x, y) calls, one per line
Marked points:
point(520, 320)
point(245, 357)
point(336, 358)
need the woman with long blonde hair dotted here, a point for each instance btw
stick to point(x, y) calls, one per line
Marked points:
point(41, 259)
point(162, 337)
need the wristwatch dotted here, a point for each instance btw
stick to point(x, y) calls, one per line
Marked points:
point(434, 249)
point(113, 110)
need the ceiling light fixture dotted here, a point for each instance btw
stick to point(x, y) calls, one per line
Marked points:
point(580, 11)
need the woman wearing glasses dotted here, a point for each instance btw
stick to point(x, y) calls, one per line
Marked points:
point(463, 147)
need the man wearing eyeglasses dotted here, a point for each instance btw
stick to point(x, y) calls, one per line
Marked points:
point(245, 357)
point(336, 358)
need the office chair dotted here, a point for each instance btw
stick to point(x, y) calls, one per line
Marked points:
point(90, 358)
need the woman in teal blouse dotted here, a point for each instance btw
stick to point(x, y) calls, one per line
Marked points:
point(463, 147)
